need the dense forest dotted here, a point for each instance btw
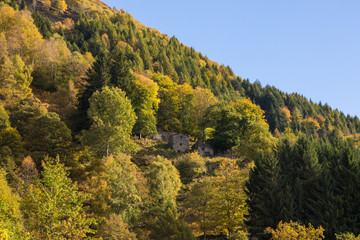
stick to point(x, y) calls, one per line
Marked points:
point(85, 93)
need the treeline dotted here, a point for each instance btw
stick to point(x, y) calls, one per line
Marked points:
point(147, 49)
point(98, 32)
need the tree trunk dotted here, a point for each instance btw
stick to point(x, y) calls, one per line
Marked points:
point(107, 148)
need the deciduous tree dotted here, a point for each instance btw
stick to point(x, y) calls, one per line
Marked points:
point(146, 103)
point(128, 188)
point(296, 231)
point(112, 121)
point(164, 182)
point(10, 216)
point(53, 206)
point(114, 228)
point(228, 203)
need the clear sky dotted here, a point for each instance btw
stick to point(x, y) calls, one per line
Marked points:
point(307, 46)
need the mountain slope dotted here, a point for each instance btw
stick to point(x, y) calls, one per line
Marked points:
point(91, 26)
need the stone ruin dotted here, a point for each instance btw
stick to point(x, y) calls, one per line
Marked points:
point(204, 149)
point(179, 142)
point(163, 136)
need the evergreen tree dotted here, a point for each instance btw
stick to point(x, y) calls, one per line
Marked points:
point(96, 78)
point(43, 24)
point(264, 195)
point(121, 76)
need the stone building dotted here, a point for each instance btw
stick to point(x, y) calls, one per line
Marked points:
point(179, 142)
point(204, 149)
point(163, 136)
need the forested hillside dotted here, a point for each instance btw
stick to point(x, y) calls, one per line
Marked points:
point(84, 91)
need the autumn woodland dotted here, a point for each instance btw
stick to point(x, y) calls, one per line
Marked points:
point(86, 92)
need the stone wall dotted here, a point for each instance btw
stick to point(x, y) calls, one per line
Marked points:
point(204, 149)
point(179, 142)
point(163, 136)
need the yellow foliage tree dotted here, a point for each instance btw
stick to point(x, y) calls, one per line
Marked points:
point(15, 76)
point(311, 123)
point(21, 34)
point(295, 231)
point(228, 202)
point(46, 3)
point(146, 104)
point(203, 99)
point(347, 236)
point(287, 113)
point(60, 6)
point(255, 130)
point(10, 215)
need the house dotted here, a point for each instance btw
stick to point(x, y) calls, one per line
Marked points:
point(163, 136)
point(204, 149)
point(179, 142)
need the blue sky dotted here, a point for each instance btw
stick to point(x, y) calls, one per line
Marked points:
point(310, 47)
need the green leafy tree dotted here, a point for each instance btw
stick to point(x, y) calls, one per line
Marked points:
point(190, 166)
point(48, 135)
point(112, 121)
point(4, 118)
point(256, 137)
point(240, 126)
point(185, 95)
point(128, 187)
point(346, 236)
point(54, 208)
point(170, 227)
point(169, 107)
point(146, 104)
point(11, 145)
point(203, 99)
point(11, 222)
point(164, 182)
point(198, 206)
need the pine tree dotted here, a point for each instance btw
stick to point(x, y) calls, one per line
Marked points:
point(263, 193)
point(121, 76)
point(306, 175)
point(96, 77)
